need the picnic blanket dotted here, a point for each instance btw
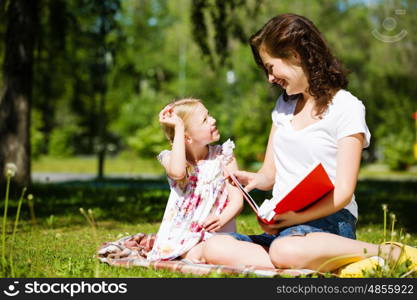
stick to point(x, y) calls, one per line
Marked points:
point(131, 251)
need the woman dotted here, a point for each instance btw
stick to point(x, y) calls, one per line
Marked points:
point(315, 119)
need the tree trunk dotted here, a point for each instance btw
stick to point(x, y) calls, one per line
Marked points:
point(102, 131)
point(15, 98)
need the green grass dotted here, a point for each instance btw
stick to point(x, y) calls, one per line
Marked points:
point(88, 165)
point(65, 248)
point(62, 244)
point(380, 171)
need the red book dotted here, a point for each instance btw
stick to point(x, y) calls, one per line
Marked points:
point(311, 187)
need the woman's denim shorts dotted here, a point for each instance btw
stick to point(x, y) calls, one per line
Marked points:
point(342, 223)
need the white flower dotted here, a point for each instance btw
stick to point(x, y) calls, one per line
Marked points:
point(30, 197)
point(11, 169)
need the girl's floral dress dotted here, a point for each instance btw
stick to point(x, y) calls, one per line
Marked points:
point(191, 201)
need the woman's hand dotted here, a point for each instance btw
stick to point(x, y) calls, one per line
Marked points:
point(212, 223)
point(284, 220)
point(250, 180)
point(167, 116)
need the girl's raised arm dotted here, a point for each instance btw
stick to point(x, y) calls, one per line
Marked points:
point(175, 162)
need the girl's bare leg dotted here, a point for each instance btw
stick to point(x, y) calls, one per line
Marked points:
point(226, 250)
point(195, 254)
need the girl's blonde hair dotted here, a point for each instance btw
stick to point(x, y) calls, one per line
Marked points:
point(183, 108)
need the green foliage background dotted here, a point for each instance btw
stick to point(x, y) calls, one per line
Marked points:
point(156, 51)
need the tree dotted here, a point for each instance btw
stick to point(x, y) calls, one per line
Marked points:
point(51, 72)
point(105, 19)
point(15, 99)
point(222, 18)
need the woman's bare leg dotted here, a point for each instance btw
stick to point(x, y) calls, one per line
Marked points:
point(226, 250)
point(324, 251)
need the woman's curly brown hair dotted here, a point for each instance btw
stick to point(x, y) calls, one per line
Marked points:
point(286, 33)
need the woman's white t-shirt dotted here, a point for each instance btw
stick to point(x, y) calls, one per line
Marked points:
point(295, 151)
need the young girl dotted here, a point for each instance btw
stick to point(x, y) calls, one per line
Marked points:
point(315, 119)
point(201, 200)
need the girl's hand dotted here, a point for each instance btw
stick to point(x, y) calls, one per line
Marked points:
point(249, 179)
point(167, 116)
point(212, 223)
point(284, 220)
